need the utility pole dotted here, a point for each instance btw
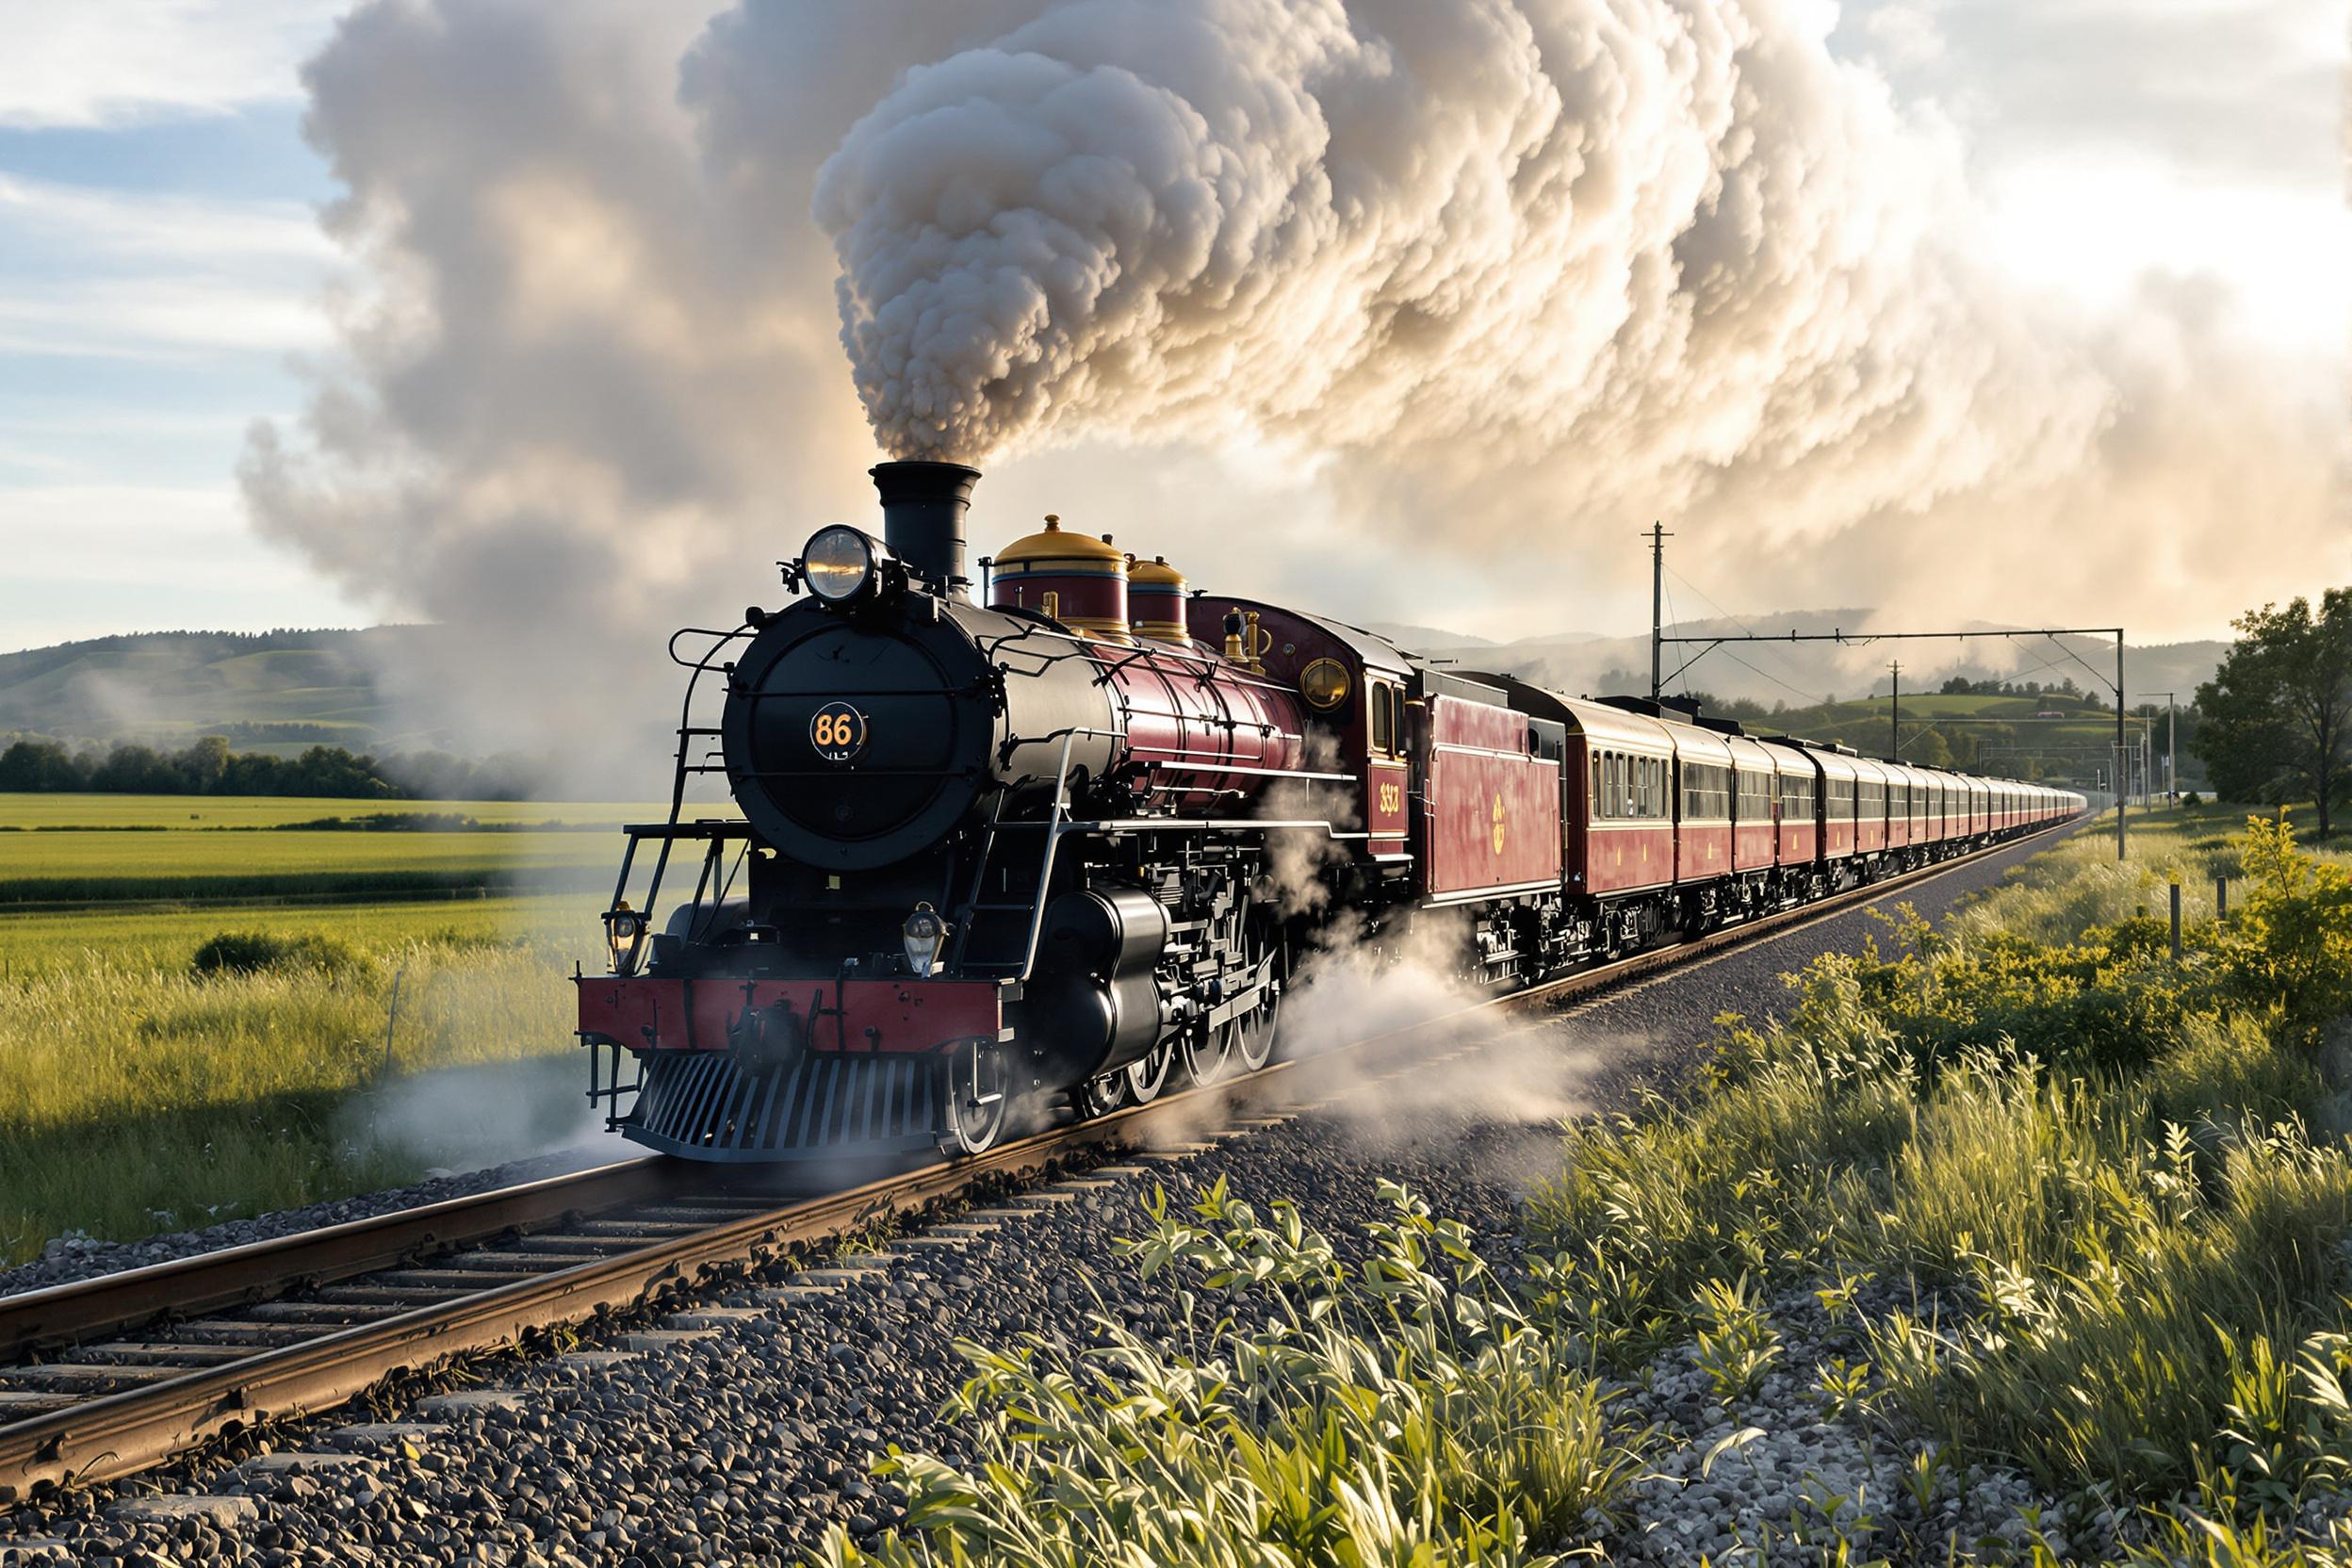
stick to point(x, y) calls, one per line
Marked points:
point(1657, 602)
point(1894, 723)
point(2122, 842)
point(2172, 736)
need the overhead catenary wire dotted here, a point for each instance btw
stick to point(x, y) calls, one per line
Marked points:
point(1712, 604)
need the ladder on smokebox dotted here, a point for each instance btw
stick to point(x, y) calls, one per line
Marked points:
point(970, 911)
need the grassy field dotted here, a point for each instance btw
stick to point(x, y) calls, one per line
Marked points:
point(111, 865)
point(144, 1095)
point(2113, 1190)
point(51, 812)
point(107, 850)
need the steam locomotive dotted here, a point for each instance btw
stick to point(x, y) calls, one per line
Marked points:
point(1049, 853)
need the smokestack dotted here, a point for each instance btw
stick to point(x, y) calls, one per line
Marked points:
point(923, 518)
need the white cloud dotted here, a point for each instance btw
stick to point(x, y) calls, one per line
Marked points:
point(2091, 224)
point(184, 229)
point(114, 275)
point(157, 317)
point(107, 62)
point(96, 560)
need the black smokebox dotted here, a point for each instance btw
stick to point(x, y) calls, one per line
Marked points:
point(923, 518)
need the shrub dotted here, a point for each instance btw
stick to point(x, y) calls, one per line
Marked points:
point(2289, 946)
point(265, 952)
point(1406, 1412)
point(2108, 1180)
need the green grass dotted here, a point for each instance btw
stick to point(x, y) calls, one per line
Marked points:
point(114, 864)
point(2057, 896)
point(1405, 1413)
point(104, 850)
point(144, 1097)
point(199, 811)
point(132, 941)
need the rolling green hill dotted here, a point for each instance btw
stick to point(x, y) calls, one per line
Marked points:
point(270, 692)
point(2011, 735)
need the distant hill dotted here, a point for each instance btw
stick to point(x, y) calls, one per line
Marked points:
point(1806, 675)
point(274, 692)
point(1406, 636)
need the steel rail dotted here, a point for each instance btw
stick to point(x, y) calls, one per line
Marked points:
point(118, 1434)
point(70, 1314)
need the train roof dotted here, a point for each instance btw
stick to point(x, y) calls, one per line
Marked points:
point(1607, 723)
point(1369, 647)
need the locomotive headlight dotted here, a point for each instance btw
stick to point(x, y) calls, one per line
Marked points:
point(839, 563)
point(624, 938)
point(923, 933)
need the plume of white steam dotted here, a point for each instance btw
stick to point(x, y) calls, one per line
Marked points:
point(1298, 863)
point(1677, 237)
point(466, 1117)
point(1363, 994)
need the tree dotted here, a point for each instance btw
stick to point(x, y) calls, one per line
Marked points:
point(41, 765)
point(2277, 717)
point(202, 763)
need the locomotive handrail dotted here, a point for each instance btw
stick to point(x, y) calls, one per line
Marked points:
point(1053, 841)
point(719, 640)
point(687, 730)
point(1207, 663)
point(1173, 761)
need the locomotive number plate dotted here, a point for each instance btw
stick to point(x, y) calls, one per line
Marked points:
point(837, 732)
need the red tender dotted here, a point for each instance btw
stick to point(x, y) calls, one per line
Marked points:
point(1491, 811)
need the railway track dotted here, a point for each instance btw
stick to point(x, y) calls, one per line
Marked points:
point(107, 1376)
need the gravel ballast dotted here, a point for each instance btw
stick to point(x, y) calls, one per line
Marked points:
point(740, 1441)
point(74, 1256)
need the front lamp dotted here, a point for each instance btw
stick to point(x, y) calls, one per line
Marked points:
point(923, 933)
point(624, 938)
point(839, 563)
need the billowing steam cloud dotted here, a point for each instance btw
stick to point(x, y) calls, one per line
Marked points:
point(1532, 271)
point(1677, 237)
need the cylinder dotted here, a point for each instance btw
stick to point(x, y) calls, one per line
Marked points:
point(923, 518)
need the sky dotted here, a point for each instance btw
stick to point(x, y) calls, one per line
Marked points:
point(167, 281)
